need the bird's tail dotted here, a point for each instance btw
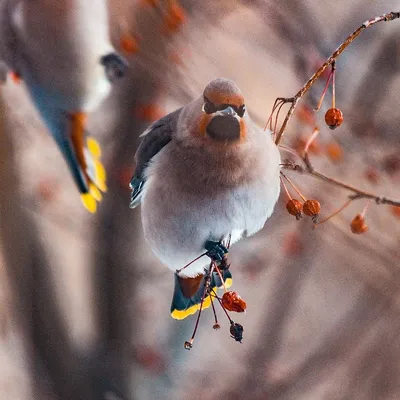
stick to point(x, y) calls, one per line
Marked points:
point(188, 293)
point(91, 179)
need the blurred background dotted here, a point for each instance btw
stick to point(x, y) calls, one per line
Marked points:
point(84, 305)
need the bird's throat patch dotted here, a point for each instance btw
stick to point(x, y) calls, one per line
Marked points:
point(224, 128)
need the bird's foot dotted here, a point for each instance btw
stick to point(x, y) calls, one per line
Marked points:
point(115, 66)
point(216, 251)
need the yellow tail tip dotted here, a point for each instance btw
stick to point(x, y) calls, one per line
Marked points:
point(94, 147)
point(95, 192)
point(89, 202)
point(101, 176)
point(182, 314)
point(228, 283)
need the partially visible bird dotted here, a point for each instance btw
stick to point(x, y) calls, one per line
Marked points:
point(204, 173)
point(62, 52)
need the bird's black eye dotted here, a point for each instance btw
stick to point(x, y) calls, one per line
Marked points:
point(241, 111)
point(209, 107)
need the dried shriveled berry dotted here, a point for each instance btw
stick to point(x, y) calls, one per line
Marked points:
point(358, 224)
point(231, 301)
point(216, 326)
point(188, 345)
point(333, 118)
point(236, 331)
point(312, 208)
point(294, 207)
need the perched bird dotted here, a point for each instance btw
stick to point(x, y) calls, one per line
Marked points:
point(62, 52)
point(204, 173)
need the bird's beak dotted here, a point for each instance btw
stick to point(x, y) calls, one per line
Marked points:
point(228, 111)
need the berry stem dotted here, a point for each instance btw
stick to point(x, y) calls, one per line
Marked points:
point(333, 72)
point(294, 186)
point(191, 262)
point(214, 311)
point(311, 139)
point(334, 213)
point(364, 211)
point(317, 108)
point(205, 293)
point(220, 302)
point(285, 187)
point(221, 277)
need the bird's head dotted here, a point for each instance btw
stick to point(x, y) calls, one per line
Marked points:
point(223, 112)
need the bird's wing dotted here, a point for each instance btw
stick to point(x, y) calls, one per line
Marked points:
point(154, 139)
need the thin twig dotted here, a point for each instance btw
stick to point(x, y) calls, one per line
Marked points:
point(358, 193)
point(334, 56)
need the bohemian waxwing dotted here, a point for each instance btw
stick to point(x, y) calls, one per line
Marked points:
point(204, 173)
point(62, 51)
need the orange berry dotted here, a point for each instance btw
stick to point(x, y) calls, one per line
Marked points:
point(334, 152)
point(306, 115)
point(358, 224)
point(294, 207)
point(333, 118)
point(148, 112)
point(396, 211)
point(312, 208)
point(128, 44)
point(231, 301)
point(175, 18)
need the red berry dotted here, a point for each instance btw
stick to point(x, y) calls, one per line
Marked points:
point(231, 301)
point(294, 207)
point(358, 224)
point(312, 208)
point(333, 118)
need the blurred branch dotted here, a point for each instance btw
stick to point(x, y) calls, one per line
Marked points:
point(283, 298)
point(341, 342)
point(44, 332)
point(116, 270)
point(378, 80)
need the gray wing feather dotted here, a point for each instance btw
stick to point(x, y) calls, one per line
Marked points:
point(154, 139)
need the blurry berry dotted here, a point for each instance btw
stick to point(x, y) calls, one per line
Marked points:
point(334, 152)
point(358, 224)
point(128, 44)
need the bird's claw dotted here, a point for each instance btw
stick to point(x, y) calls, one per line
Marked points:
point(216, 251)
point(115, 66)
